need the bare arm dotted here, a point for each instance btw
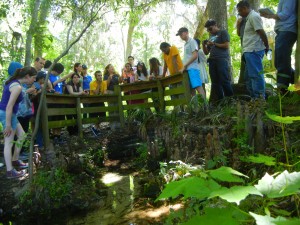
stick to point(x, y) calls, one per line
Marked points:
point(219, 45)
point(165, 69)
point(206, 50)
point(61, 79)
point(71, 92)
point(174, 61)
point(263, 37)
point(15, 91)
point(192, 59)
point(238, 26)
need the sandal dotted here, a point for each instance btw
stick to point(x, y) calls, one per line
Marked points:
point(15, 174)
point(19, 164)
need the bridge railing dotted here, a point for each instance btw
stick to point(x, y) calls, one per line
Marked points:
point(66, 110)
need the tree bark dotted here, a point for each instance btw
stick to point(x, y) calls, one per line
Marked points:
point(129, 39)
point(30, 32)
point(202, 18)
point(217, 10)
point(254, 4)
point(39, 36)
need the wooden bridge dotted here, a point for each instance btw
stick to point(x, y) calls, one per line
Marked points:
point(114, 104)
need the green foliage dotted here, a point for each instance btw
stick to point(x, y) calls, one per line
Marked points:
point(58, 184)
point(284, 184)
point(213, 216)
point(226, 174)
point(206, 188)
point(261, 159)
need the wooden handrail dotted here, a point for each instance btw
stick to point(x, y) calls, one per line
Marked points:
point(155, 90)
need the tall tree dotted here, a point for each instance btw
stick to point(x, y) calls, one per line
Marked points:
point(40, 34)
point(137, 9)
point(34, 9)
point(217, 10)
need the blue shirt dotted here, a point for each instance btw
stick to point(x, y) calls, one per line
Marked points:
point(86, 82)
point(58, 87)
point(287, 12)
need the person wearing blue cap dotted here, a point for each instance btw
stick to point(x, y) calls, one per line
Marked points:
point(13, 66)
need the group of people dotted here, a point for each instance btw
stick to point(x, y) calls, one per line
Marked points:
point(24, 84)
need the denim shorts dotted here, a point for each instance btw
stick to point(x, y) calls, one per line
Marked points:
point(195, 79)
point(14, 120)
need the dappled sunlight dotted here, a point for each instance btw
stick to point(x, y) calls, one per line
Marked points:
point(111, 178)
point(152, 214)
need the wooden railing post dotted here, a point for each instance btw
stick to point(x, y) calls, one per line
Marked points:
point(79, 118)
point(117, 90)
point(44, 120)
point(161, 97)
point(186, 85)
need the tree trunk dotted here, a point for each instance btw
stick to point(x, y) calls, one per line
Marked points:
point(217, 10)
point(129, 40)
point(254, 4)
point(42, 28)
point(202, 18)
point(31, 31)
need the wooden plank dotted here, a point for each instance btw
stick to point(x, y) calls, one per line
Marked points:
point(161, 91)
point(62, 123)
point(175, 102)
point(117, 89)
point(94, 109)
point(44, 124)
point(61, 111)
point(138, 106)
point(140, 96)
point(79, 117)
point(138, 86)
point(187, 87)
point(60, 99)
point(174, 91)
point(99, 98)
point(171, 80)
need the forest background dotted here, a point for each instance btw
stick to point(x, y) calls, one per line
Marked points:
point(109, 31)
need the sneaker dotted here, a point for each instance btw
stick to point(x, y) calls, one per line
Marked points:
point(19, 164)
point(15, 174)
point(95, 131)
point(24, 156)
point(1, 165)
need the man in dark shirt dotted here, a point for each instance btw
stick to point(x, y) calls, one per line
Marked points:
point(218, 48)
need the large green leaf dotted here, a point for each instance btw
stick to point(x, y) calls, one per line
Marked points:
point(217, 216)
point(190, 187)
point(236, 193)
point(283, 119)
point(266, 220)
point(267, 160)
point(294, 87)
point(295, 221)
point(226, 174)
point(283, 185)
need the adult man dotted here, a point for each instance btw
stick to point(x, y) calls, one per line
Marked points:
point(218, 49)
point(286, 30)
point(39, 63)
point(190, 60)
point(255, 44)
point(172, 59)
